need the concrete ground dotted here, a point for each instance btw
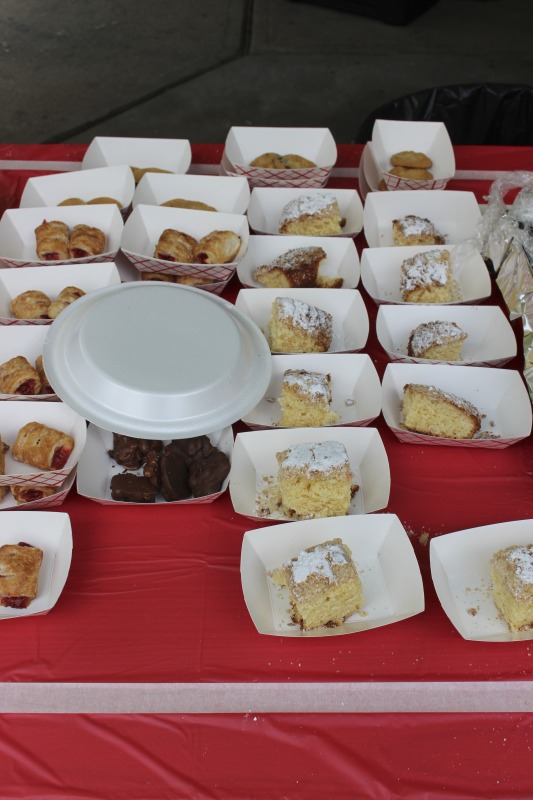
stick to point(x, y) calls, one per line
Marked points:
point(184, 69)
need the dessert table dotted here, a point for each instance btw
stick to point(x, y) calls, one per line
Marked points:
point(149, 680)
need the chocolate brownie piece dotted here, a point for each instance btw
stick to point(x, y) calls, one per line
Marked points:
point(132, 488)
point(130, 452)
point(206, 474)
point(174, 475)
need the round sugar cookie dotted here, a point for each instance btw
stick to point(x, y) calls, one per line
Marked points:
point(414, 173)
point(410, 158)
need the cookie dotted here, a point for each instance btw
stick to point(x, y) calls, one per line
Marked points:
point(268, 161)
point(382, 186)
point(293, 161)
point(409, 158)
point(415, 173)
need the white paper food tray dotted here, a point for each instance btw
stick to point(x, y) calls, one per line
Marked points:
point(350, 317)
point(370, 169)
point(454, 214)
point(51, 281)
point(460, 568)
point(431, 138)
point(363, 183)
point(226, 195)
point(490, 338)
point(355, 388)
point(146, 224)
point(380, 549)
point(27, 341)
point(380, 273)
point(13, 416)
point(267, 204)
point(342, 259)
point(244, 144)
point(8, 503)
point(17, 232)
point(86, 184)
point(52, 533)
point(173, 155)
point(96, 468)
point(254, 466)
point(498, 394)
point(287, 178)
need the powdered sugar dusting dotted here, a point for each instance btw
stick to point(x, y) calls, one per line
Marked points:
point(426, 269)
point(412, 225)
point(522, 558)
point(303, 315)
point(315, 456)
point(317, 561)
point(315, 384)
point(429, 334)
point(308, 205)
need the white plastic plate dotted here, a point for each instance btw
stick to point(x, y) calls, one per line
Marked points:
point(157, 360)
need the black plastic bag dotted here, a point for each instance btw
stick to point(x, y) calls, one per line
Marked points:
point(490, 113)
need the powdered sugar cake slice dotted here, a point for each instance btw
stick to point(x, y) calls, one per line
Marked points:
point(311, 214)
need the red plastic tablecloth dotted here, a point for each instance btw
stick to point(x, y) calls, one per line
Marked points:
point(154, 596)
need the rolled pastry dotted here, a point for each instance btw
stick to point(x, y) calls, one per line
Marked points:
point(218, 247)
point(86, 241)
point(17, 376)
point(30, 305)
point(46, 387)
point(42, 447)
point(65, 297)
point(19, 574)
point(157, 276)
point(3, 450)
point(30, 492)
point(52, 241)
point(192, 280)
point(175, 246)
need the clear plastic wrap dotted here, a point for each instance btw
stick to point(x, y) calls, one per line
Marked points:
point(506, 233)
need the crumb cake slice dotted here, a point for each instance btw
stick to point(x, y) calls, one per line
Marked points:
point(306, 399)
point(315, 480)
point(427, 278)
point(324, 586)
point(432, 411)
point(311, 215)
point(512, 585)
point(413, 230)
point(296, 268)
point(297, 327)
point(439, 340)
